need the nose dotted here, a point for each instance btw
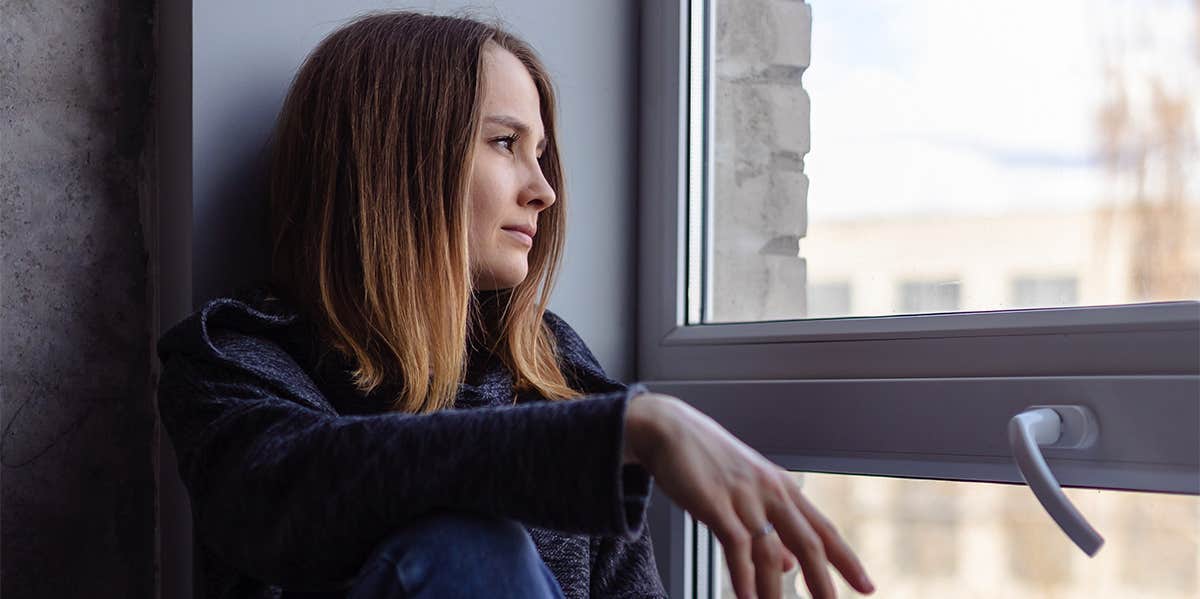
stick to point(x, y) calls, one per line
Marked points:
point(538, 192)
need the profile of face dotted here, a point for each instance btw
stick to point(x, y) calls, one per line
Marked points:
point(507, 189)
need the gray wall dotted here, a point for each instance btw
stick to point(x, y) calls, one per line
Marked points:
point(76, 183)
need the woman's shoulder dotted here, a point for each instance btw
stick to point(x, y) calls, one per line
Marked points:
point(570, 344)
point(249, 325)
point(578, 358)
point(244, 336)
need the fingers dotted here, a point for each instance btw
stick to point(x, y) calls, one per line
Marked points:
point(806, 545)
point(768, 553)
point(838, 551)
point(766, 550)
point(789, 561)
point(756, 560)
point(735, 544)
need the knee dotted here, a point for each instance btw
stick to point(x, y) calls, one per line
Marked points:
point(467, 537)
point(453, 554)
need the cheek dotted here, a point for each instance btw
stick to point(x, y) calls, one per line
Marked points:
point(481, 224)
point(482, 233)
point(485, 204)
point(478, 241)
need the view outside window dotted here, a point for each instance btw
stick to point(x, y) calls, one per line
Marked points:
point(882, 157)
point(937, 155)
point(926, 539)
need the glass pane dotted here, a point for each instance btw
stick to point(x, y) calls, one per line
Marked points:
point(933, 539)
point(873, 157)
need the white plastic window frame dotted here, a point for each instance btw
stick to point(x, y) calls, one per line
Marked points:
point(925, 396)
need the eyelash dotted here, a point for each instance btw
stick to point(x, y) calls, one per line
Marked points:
point(512, 141)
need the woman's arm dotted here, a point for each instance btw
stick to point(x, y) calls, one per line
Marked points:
point(296, 496)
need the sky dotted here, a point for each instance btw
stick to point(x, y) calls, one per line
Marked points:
point(969, 107)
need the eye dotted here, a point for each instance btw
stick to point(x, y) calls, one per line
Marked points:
point(507, 139)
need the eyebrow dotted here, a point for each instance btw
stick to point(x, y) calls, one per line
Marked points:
point(515, 123)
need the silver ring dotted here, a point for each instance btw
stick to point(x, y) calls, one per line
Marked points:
point(766, 529)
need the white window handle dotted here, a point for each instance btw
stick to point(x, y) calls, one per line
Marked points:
point(1067, 427)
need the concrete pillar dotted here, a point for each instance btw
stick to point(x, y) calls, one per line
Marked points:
point(761, 136)
point(77, 218)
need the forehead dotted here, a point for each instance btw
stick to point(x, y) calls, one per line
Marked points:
point(508, 88)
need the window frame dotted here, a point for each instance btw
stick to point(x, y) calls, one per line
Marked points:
point(748, 376)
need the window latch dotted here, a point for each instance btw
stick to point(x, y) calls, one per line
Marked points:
point(1058, 427)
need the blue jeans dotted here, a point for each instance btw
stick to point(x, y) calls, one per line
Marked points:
point(452, 554)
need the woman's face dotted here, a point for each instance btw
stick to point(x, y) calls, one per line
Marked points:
point(507, 189)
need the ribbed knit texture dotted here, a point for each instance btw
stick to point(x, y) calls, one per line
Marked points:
point(294, 476)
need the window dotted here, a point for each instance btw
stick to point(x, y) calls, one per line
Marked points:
point(1037, 292)
point(929, 296)
point(923, 141)
point(939, 170)
point(828, 299)
point(931, 538)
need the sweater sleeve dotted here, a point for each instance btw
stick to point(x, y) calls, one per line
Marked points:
point(624, 568)
point(297, 496)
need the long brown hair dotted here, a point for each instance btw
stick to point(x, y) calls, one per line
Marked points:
point(368, 214)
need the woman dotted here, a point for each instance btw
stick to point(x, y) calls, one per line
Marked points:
point(377, 420)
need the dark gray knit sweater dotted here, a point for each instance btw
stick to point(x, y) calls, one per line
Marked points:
point(294, 476)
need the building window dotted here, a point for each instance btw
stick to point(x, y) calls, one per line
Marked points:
point(929, 296)
point(1042, 292)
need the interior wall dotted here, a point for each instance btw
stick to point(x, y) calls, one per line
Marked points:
point(77, 448)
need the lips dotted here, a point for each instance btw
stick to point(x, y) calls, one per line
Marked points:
point(520, 236)
point(526, 229)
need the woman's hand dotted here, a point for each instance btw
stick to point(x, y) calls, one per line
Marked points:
point(734, 490)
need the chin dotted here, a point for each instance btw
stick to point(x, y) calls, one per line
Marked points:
point(513, 281)
point(515, 275)
point(506, 279)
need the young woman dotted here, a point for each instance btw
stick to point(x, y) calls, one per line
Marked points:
point(377, 420)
